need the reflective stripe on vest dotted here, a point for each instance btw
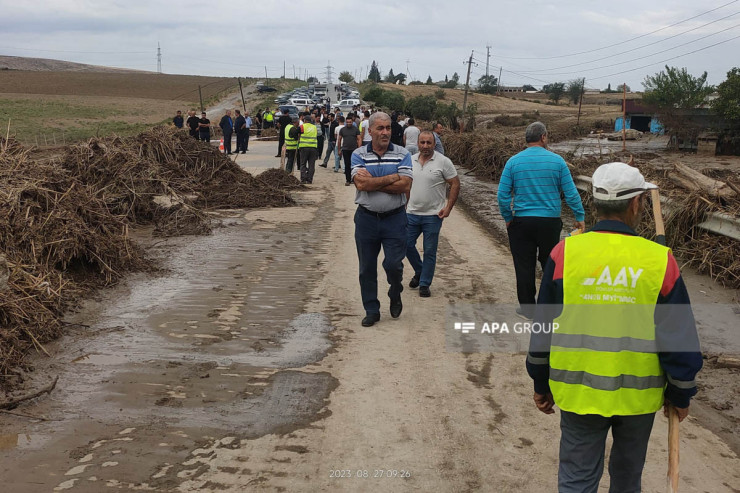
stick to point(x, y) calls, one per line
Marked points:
point(308, 137)
point(603, 357)
point(290, 144)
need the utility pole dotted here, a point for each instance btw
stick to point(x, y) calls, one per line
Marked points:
point(244, 105)
point(500, 69)
point(488, 59)
point(266, 75)
point(200, 94)
point(467, 85)
point(624, 117)
point(408, 72)
point(159, 59)
point(580, 101)
point(294, 71)
point(283, 69)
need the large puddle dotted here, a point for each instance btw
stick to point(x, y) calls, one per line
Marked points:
point(214, 346)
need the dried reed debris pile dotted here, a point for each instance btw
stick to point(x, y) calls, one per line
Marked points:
point(483, 153)
point(56, 240)
point(64, 226)
point(692, 195)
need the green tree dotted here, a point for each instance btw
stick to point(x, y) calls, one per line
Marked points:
point(421, 107)
point(675, 88)
point(727, 104)
point(452, 83)
point(391, 77)
point(670, 94)
point(312, 80)
point(620, 88)
point(374, 74)
point(555, 90)
point(487, 84)
point(574, 90)
point(608, 89)
point(527, 87)
point(393, 100)
point(374, 94)
point(400, 78)
point(345, 76)
point(429, 81)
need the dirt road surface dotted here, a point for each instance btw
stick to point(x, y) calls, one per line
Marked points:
point(243, 367)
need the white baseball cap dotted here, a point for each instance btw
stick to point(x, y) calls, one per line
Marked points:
point(618, 181)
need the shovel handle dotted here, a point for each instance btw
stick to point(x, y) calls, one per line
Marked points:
point(658, 213)
point(673, 456)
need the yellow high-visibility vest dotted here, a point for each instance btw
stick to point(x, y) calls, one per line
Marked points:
point(308, 137)
point(603, 355)
point(290, 144)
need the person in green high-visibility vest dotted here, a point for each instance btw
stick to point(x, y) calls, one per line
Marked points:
point(621, 339)
point(307, 149)
point(292, 133)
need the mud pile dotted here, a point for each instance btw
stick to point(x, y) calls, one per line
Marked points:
point(64, 224)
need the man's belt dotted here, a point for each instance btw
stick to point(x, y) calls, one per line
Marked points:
point(382, 215)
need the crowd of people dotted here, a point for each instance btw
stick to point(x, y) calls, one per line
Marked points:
point(606, 370)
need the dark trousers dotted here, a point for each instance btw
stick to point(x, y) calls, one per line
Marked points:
point(372, 232)
point(242, 140)
point(320, 145)
point(308, 163)
point(531, 239)
point(281, 140)
point(347, 156)
point(227, 143)
point(582, 444)
point(194, 134)
point(204, 136)
point(290, 159)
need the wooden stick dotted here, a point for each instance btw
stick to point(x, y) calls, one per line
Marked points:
point(12, 403)
point(658, 213)
point(673, 445)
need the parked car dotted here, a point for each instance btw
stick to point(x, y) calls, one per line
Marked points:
point(290, 109)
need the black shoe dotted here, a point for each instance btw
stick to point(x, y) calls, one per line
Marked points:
point(244, 152)
point(424, 291)
point(277, 155)
point(414, 283)
point(370, 319)
point(523, 314)
point(322, 165)
point(346, 184)
point(396, 308)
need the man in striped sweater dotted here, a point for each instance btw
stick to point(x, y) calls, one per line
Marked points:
point(534, 179)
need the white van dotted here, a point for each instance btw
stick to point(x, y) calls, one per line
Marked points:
point(347, 104)
point(300, 102)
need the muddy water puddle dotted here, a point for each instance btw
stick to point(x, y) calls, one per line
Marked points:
point(217, 346)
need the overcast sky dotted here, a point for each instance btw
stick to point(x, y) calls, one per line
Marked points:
point(534, 42)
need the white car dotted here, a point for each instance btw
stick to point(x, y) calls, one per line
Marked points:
point(347, 104)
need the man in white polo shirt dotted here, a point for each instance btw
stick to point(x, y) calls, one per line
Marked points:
point(428, 205)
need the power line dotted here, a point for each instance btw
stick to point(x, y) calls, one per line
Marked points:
point(639, 58)
point(667, 59)
point(621, 42)
point(645, 46)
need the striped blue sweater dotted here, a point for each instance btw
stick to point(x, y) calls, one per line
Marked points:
point(535, 177)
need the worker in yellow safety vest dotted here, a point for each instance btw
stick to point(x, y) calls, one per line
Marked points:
point(268, 118)
point(292, 133)
point(618, 338)
point(307, 149)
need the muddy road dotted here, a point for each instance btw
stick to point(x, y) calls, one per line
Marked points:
point(243, 367)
